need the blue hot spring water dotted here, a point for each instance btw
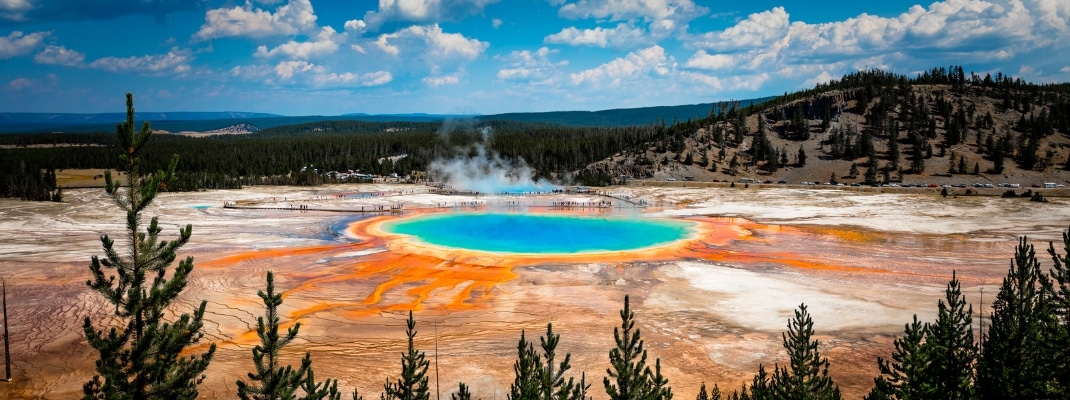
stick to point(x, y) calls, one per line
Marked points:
point(540, 234)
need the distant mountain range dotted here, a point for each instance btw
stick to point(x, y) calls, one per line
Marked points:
point(209, 121)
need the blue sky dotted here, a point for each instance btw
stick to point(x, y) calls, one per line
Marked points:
point(318, 57)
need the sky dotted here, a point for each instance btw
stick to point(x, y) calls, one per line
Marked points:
point(320, 57)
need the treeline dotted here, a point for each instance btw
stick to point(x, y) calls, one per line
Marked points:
point(302, 154)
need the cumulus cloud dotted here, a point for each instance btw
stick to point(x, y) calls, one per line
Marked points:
point(287, 69)
point(16, 43)
point(663, 17)
point(702, 60)
point(759, 29)
point(59, 55)
point(959, 31)
point(355, 26)
point(496, 23)
point(294, 17)
point(14, 10)
point(424, 11)
point(637, 64)
point(377, 78)
point(18, 84)
point(622, 36)
point(525, 65)
point(325, 42)
point(175, 61)
point(441, 80)
point(433, 42)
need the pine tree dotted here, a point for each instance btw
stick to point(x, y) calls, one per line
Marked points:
point(552, 383)
point(141, 354)
point(1056, 286)
point(630, 378)
point(715, 393)
point(1010, 365)
point(412, 385)
point(806, 376)
point(279, 383)
point(802, 157)
point(950, 348)
point(526, 368)
point(906, 375)
point(462, 393)
point(702, 395)
point(276, 382)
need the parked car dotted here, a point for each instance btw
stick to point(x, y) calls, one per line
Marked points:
point(989, 185)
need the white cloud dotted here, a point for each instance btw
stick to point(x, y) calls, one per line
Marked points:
point(702, 60)
point(952, 31)
point(14, 9)
point(175, 61)
point(433, 42)
point(759, 29)
point(16, 43)
point(435, 81)
point(295, 17)
point(19, 84)
point(530, 65)
point(355, 26)
point(637, 64)
point(287, 69)
point(59, 55)
point(496, 23)
point(377, 78)
point(424, 11)
point(1065, 69)
point(622, 10)
point(622, 36)
point(325, 42)
point(663, 16)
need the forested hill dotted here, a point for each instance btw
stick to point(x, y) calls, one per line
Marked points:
point(207, 121)
point(620, 117)
point(873, 127)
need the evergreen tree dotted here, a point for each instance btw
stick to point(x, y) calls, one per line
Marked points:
point(1010, 365)
point(629, 378)
point(141, 355)
point(950, 348)
point(318, 390)
point(540, 377)
point(527, 368)
point(462, 393)
point(905, 376)
point(806, 376)
point(553, 385)
point(275, 381)
point(893, 152)
point(1056, 286)
point(702, 395)
point(412, 385)
point(802, 157)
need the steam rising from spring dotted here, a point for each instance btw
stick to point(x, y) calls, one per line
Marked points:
point(482, 170)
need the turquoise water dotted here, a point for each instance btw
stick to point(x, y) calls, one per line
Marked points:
point(539, 234)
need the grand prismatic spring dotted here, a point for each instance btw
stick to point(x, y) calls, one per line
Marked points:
point(713, 280)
